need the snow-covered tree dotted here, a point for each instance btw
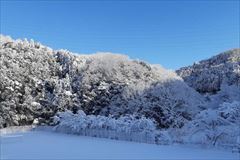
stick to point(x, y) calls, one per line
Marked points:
point(207, 76)
point(215, 126)
point(100, 84)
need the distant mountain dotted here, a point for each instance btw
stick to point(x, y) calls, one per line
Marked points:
point(37, 82)
point(209, 75)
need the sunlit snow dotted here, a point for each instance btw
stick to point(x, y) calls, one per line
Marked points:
point(50, 145)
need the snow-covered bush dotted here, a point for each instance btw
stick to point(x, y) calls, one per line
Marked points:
point(218, 127)
point(124, 128)
point(211, 127)
point(230, 111)
point(227, 94)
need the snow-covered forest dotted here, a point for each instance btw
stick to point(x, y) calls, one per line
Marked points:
point(112, 96)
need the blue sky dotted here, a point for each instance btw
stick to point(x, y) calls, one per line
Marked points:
point(171, 33)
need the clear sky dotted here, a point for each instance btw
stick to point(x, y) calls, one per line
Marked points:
point(171, 33)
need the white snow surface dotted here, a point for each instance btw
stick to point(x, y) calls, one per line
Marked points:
point(50, 145)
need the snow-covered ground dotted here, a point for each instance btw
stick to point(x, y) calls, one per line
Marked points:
point(50, 145)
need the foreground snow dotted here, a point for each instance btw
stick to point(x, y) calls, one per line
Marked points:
point(50, 145)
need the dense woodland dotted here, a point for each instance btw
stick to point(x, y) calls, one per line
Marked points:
point(197, 104)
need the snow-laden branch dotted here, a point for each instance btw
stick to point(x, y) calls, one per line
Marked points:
point(127, 128)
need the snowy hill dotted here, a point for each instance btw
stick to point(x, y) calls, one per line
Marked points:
point(37, 82)
point(217, 78)
point(209, 75)
point(111, 96)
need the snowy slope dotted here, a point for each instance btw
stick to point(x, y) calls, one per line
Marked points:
point(207, 76)
point(48, 145)
point(111, 96)
point(36, 82)
point(218, 80)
